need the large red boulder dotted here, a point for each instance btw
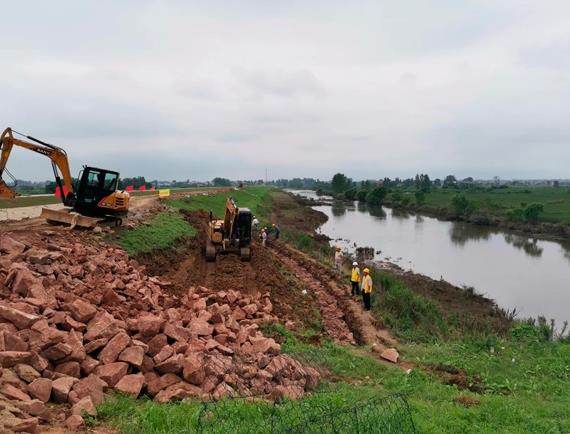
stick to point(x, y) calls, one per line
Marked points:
point(112, 373)
point(116, 345)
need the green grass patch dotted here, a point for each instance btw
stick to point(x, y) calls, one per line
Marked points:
point(22, 201)
point(501, 201)
point(162, 231)
point(409, 315)
point(253, 198)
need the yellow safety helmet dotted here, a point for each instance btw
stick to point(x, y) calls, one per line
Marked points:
point(366, 270)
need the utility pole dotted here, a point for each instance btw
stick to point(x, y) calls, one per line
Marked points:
point(266, 176)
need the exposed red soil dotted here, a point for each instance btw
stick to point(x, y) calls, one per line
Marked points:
point(186, 266)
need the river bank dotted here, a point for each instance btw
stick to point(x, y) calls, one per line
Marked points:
point(463, 307)
point(552, 231)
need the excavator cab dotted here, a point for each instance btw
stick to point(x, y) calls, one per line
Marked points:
point(96, 194)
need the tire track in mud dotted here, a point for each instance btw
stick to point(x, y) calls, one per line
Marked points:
point(362, 324)
point(331, 314)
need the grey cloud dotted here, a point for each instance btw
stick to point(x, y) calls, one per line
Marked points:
point(281, 84)
point(184, 89)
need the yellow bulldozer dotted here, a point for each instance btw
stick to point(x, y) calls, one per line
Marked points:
point(94, 197)
point(230, 235)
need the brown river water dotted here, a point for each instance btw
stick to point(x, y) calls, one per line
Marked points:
point(518, 272)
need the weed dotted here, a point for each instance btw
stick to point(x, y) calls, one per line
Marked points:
point(162, 231)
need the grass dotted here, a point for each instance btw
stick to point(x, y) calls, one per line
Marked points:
point(410, 316)
point(162, 231)
point(253, 198)
point(499, 202)
point(28, 201)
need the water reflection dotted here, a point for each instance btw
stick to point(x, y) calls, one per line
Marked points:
point(460, 233)
point(338, 208)
point(400, 214)
point(378, 212)
point(361, 206)
point(565, 249)
point(528, 245)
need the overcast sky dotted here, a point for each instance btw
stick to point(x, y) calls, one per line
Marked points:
point(184, 89)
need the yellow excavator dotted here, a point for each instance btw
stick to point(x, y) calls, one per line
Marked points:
point(230, 235)
point(94, 196)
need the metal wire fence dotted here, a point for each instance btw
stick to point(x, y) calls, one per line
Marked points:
point(320, 413)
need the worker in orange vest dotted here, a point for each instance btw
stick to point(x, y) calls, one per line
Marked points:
point(366, 288)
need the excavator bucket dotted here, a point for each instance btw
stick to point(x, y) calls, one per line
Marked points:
point(6, 192)
point(71, 218)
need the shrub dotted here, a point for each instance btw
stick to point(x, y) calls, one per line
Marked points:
point(420, 196)
point(462, 205)
point(376, 196)
point(361, 195)
point(532, 212)
point(350, 194)
point(396, 196)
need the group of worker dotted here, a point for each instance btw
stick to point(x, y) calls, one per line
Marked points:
point(264, 233)
point(360, 283)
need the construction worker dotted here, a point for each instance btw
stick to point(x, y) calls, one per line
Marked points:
point(263, 237)
point(254, 223)
point(338, 258)
point(277, 230)
point(366, 288)
point(355, 279)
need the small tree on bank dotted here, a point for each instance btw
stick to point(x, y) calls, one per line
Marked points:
point(376, 196)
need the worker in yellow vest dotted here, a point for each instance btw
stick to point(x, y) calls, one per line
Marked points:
point(355, 279)
point(366, 288)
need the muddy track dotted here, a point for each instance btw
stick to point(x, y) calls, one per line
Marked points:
point(332, 315)
point(364, 327)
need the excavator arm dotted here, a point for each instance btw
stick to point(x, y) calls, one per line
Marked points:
point(57, 155)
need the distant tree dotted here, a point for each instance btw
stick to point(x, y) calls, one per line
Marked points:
point(556, 184)
point(136, 182)
point(221, 182)
point(449, 182)
point(340, 183)
point(350, 194)
point(362, 194)
point(376, 196)
point(437, 182)
point(469, 179)
point(425, 183)
point(420, 196)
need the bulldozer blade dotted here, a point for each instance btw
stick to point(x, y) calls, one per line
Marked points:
point(73, 219)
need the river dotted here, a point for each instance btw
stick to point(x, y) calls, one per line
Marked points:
point(527, 274)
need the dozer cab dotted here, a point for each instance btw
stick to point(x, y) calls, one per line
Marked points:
point(230, 235)
point(94, 196)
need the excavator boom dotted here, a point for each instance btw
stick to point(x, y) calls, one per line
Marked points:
point(57, 156)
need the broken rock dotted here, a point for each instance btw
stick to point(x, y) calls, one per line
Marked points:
point(131, 384)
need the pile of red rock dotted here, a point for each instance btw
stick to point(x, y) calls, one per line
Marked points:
point(79, 320)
